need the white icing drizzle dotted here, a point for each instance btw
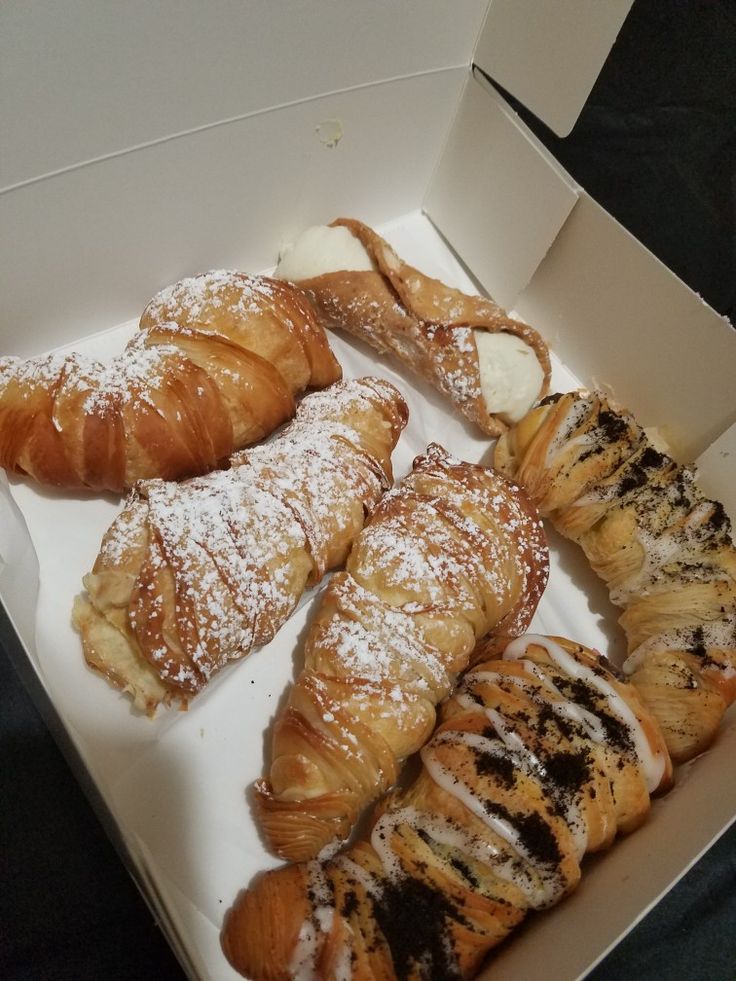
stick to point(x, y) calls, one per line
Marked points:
point(369, 882)
point(504, 862)
point(315, 927)
point(561, 705)
point(652, 763)
point(713, 636)
point(551, 884)
point(540, 880)
point(577, 412)
point(522, 755)
point(531, 764)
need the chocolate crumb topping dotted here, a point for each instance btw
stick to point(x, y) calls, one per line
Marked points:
point(611, 425)
point(500, 767)
point(719, 519)
point(569, 771)
point(350, 905)
point(536, 835)
point(412, 917)
point(617, 734)
point(698, 645)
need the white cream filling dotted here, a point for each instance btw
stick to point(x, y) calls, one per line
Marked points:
point(322, 249)
point(510, 375)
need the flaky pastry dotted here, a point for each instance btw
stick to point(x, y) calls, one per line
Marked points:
point(492, 367)
point(193, 575)
point(663, 549)
point(542, 755)
point(453, 553)
point(215, 367)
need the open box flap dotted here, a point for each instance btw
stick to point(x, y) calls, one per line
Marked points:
point(548, 53)
point(624, 323)
point(497, 195)
point(615, 315)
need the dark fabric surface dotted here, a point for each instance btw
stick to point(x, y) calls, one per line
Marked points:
point(68, 909)
point(656, 145)
point(656, 142)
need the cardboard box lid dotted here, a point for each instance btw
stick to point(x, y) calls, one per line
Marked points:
point(548, 53)
point(84, 80)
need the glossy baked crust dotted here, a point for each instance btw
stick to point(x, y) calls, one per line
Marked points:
point(192, 575)
point(663, 549)
point(455, 552)
point(215, 367)
point(542, 755)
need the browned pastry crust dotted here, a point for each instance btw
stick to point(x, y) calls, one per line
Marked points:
point(214, 368)
point(663, 549)
point(193, 575)
point(454, 552)
point(427, 325)
point(543, 755)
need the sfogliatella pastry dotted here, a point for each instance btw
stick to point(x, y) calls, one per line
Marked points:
point(215, 367)
point(193, 575)
point(493, 368)
point(543, 755)
point(454, 552)
point(663, 549)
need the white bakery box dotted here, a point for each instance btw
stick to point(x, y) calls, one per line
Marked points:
point(145, 142)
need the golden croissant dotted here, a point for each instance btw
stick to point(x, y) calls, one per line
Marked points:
point(193, 575)
point(215, 367)
point(492, 367)
point(451, 554)
point(543, 755)
point(663, 549)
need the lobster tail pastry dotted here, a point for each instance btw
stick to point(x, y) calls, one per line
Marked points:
point(663, 549)
point(541, 756)
point(447, 557)
point(214, 367)
point(253, 935)
point(193, 575)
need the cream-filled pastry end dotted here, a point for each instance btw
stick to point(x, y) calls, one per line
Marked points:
point(510, 374)
point(322, 249)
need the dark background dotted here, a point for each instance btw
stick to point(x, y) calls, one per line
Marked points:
point(656, 146)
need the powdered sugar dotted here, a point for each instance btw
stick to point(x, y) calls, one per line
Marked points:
point(189, 300)
point(221, 560)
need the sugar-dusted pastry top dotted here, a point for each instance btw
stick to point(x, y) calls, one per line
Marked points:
point(453, 553)
point(215, 367)
point(664, 550)
point(492, 367)
point(193, 575)
point(543, 754)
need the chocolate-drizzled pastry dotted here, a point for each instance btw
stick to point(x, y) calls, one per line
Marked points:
point(542, 755)
point(663, 549)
